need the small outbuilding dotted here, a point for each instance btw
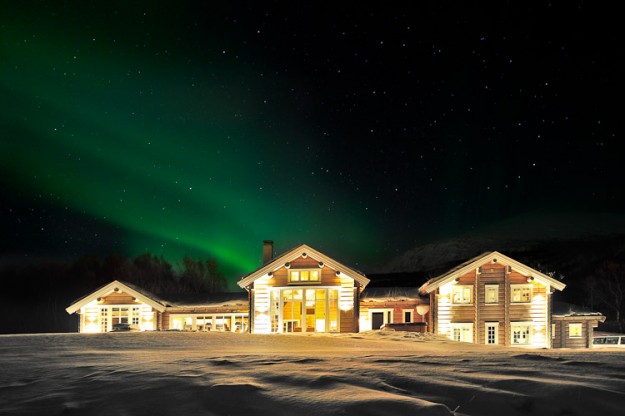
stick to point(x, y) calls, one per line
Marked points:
point(573, 325)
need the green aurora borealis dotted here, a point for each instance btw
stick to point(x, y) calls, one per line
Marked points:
point(203, 129)
point(180, 160)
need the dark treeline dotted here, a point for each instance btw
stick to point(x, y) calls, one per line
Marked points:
point(35, 296)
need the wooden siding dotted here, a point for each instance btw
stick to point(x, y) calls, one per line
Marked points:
point(262, 322)
point(346, 321)
point(447, 313)
point(562, 335)
point(327, 278)
point(164, 321)
point(118, 298)
point(503, 312)
point(398, 309)
point(328, 275)
point(491, 274)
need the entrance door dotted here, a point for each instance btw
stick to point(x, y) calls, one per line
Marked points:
point(492, 333)
point(377, 320)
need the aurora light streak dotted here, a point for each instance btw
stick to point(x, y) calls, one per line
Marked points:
point(202, 129)
point(170, 158)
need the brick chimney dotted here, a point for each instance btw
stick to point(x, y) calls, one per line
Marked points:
point(267, 251)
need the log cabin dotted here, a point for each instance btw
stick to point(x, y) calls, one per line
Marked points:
point(303, 290)
point(572, 326)
point(117, 304)
point(123, 306)
point(490, 299)
point(493, 300)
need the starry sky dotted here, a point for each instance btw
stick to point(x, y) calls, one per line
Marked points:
point(203, 129)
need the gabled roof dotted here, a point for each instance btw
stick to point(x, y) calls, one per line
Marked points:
point(110, 288)
point(295, 253)
point(475, 262)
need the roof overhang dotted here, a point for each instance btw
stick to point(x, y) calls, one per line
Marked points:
point(295, 254)
point(441, 280)
point(110, 288)
point(597, 317)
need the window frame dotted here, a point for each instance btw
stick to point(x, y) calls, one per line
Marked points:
point(529, 326)
point(305, 282)
point(486, 289)
point(521, 287)
point(411, 312)
point(461, 287)
point(577, 325)
point(461, 326)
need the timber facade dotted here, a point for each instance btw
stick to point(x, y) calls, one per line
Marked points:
point(491, 300)
point(303, 290)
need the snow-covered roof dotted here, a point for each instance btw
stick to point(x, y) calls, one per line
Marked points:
point(296, 253)
point(207, 300)
point(117, 286)
point(564, 309)
point(386, 294)
point(475, 262)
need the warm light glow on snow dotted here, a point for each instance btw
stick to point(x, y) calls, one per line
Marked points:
point(379, 372)
point(92, 327)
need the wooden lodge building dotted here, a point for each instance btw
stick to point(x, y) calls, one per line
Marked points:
point(491, 299)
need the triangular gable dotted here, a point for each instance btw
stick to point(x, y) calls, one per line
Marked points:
point(472, 264)
point(296, 253)
point(110, 288)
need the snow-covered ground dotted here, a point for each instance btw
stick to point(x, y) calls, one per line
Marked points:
point(357, 374)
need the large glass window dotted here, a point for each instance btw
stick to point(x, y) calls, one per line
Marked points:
point(304, 310)
point(119, 315)
point(204, 323)
point(225, 322)
point(241, 323)
point(292, 310)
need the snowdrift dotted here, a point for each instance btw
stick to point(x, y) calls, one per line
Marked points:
point(377, 373)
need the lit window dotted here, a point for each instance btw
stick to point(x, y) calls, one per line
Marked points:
point(521, 293)
point(521, 333)
point(461, 332)
point(575, 330)
point(135, 316)
point(303, 275)
point(492, 294)
point(462, 295)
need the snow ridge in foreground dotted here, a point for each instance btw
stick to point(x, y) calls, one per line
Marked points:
point(357, 374)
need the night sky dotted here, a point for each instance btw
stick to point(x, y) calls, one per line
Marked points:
point(187, 128)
